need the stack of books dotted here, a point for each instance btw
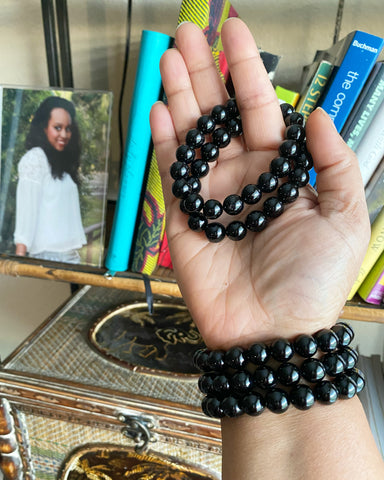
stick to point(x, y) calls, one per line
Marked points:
point(347, 81)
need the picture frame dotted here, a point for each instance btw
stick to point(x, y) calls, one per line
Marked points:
point(54, 148)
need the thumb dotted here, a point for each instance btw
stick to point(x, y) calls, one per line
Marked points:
point(339, 182)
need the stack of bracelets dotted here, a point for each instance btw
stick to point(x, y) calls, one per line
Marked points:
point(214, 131)
point(246, 381)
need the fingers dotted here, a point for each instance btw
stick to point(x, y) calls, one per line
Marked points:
point(338, 181)
point(256, 98)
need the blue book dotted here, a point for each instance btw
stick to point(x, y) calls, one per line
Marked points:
point(355, 56)
point(147, 90)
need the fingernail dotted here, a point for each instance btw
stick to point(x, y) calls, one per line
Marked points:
point(182, 23)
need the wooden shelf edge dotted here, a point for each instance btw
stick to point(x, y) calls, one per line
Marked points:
point(162, 283)
point(98, 278)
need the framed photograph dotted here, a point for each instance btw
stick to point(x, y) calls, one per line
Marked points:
point(54, 148)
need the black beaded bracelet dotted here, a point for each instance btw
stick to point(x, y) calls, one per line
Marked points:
point(246, 381)
point(213, 132)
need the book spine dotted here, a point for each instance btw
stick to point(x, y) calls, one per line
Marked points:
point(371, 148)
point(372, 288)
point(367, 111)
point(375, 249)
point(348, 79)
point(310, 97)
point(146, 92)
point(286, 95)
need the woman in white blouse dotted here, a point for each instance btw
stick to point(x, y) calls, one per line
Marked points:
point(48, 219)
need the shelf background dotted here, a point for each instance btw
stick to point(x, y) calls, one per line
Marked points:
point(293, 30)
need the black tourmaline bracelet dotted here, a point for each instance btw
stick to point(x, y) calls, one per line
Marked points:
point(294, 161)
point(262, 376)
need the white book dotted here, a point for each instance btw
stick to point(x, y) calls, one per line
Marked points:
point(371, 147)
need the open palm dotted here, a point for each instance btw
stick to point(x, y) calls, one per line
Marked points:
point(296, 274)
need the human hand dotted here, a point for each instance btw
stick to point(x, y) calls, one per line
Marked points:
point(294, 276)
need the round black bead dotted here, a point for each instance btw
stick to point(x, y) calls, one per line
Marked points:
point(252, 404)
point(280, 167)
point(215, 360)
point(281, 350)
point(211, 406)
point(185, 153)
point(212, 209)
point(197, 222)
point(344, 334)
point(215, 232)
point(327, 340)
point(221, 137)
point(234, 358)
point(233, 204)
point(195, 184)
point(209, 152)
point(273, 207)
point(219, 113)
point(230, 406)
point(349, 356)
point(179, 170)
point(267, 182)
point(287, 192)
point(251, 194)
point(299, 176)
point(232, 109)
point(264, 377)
point(288, 148)
point(205, 383)
point(295, 132)
point(305, 346)
point(348, 328)
point(240, 383)
point(286, 109)
point(256, 221)
point(199, 168)
point(333, 363)
point(257, 354)
point(194, 138)
point(294, 118)
point(326, 392)
point(200, 359)
point(358, 377)
point(236, 231)
point(221, 385)
point(206, 124)
point(181, 188)
point(302, 397)
point(234, 127)
point(276, 400)
point(288, 374)
point(193, 203)
point(312, 370)
point(345, 385)
point(303, 160)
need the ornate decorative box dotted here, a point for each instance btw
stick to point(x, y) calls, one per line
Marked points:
point(106, 389)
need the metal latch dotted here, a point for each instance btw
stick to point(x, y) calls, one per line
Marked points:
point(138, 429)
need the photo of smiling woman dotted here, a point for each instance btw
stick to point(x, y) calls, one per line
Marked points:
point(48, 219)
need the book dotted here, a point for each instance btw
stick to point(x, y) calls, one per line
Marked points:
point(374, 250)
point(285, 95)
point(147, 90)
point(355, 57)
point(365, 108)
point(313, 88)
point(370, 150)
point(54, 180)
point(374, 192)
point(372, 288)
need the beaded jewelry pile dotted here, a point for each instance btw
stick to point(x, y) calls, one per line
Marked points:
point(246, 381)
point(202, 144)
